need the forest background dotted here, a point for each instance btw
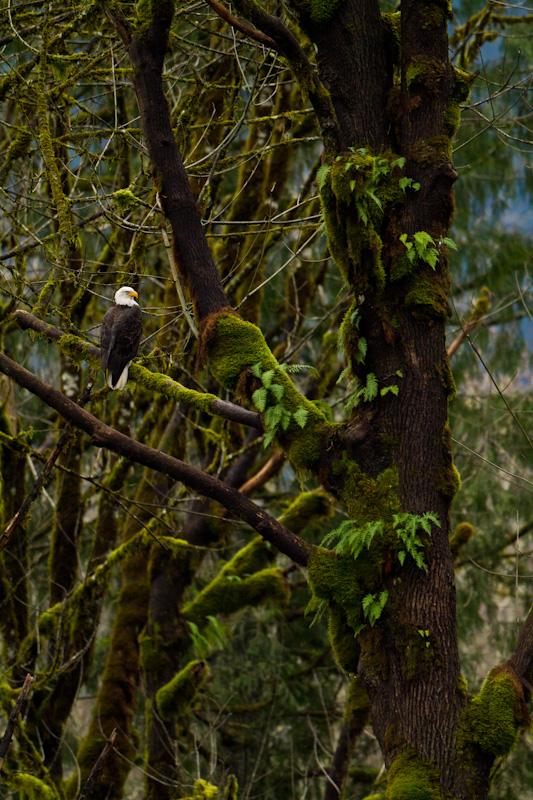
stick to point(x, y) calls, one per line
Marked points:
point(133, 589)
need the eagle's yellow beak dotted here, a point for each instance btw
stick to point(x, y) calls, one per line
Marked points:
point(134, 294)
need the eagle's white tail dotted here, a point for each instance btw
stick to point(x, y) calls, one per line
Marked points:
point(122, 381)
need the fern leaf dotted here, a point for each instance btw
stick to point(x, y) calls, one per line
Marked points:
point(259, 398)
point(300, 416)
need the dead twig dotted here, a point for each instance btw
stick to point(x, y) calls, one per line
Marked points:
point(98, 767)
point(12, 721)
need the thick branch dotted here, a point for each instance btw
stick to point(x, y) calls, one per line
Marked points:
point(150, 380)
point(146, 48)
point(104, 436)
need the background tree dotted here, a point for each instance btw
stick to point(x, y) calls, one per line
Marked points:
point(276, 180)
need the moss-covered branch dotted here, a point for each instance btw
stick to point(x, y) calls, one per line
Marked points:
point(79, 350)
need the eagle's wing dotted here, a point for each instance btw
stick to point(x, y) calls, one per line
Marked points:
point(108, 335)
point(120, 340)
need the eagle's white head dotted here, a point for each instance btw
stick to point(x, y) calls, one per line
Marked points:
point(125, 296)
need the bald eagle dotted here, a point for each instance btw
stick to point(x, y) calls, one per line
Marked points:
point(120, 336)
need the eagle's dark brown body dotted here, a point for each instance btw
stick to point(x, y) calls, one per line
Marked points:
point(120, 336)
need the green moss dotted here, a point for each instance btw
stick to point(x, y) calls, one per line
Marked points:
point(452, 118)
point(449, 478)
point(393, 22)
point(17, 149)
point(308, 507)
point(462, 534)
point(426, 71)
point(483, 304)
point(152, 656)
point(254, 557)
point(226, 596)
point(433, 16)
point(32, 788)
point(174, 700)
point(431, 151)
point(322, 10)
point(334, 580)
point(124, 199)
point(463, 84)
point(234, 346)
point(499, 712)
point(410, 778)
point(357, 704)
point(48, 621)
point(343, 643)
point(428, 295)
point(368, 498)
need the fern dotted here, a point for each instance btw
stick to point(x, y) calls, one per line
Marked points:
point(322, 174)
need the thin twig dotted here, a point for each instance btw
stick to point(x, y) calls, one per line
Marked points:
point(98, 767)
point(10, 728)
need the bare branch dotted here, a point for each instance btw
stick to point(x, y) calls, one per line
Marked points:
point(12, 721)
point(104, 436)
point(96, 770)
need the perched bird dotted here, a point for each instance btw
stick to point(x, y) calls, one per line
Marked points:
point(120, 336)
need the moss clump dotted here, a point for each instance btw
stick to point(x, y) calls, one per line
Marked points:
point(433, 150)
point(309, 507)
point(452, 118)
point(427, 72)
point(353, 194)
point(499, 712)
point(410, 778)
point(255, 556)
point(334, 580)
point(342, 640)
point(482, 304)
point(433, 16)
point(17, 149)
point(124, 199)
point(463, 84)
point(32, 788)
point(322, 10)
point(462, 534)
point(369, 498)
point(449, 478)
point(174, 700)
point(226, 596)
point(233, 346)
point(428, 295)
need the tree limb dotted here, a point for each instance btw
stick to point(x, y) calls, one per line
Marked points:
point(104, 436)
point(150, 380)
point(99, 765)
point(146, 48)
point(12, 721)
point(232, 20)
